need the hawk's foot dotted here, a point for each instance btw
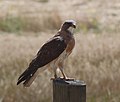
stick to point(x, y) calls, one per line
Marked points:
point(62, 78)
point(67, 79)
point(52, 78)
point(55, 78)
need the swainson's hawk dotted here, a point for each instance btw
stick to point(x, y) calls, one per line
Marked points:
point(51, 55)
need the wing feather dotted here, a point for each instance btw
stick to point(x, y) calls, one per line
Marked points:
point(50, 51)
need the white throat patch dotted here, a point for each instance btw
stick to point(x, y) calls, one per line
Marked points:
point(71, 29)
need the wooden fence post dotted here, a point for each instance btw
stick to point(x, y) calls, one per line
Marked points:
point(69, 91)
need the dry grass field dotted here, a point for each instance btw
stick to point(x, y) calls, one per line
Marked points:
point(26, 24)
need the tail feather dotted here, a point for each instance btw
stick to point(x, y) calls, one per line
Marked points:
point(29, 81)
point(26, 76)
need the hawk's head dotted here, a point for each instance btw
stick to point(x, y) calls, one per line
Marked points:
point(68, 24)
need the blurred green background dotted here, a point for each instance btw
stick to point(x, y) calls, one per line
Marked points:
point(26, 24)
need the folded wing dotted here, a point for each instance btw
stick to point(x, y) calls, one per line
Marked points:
point(48, 52)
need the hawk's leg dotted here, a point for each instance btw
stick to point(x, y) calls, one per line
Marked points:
point(55, 74)
point(64, 76)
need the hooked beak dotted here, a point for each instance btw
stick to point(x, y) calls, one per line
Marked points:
point(74, 26)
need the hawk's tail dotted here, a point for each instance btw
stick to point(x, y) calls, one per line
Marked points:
point(28, 77)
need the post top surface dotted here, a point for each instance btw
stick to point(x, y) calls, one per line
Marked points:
point(70, 82)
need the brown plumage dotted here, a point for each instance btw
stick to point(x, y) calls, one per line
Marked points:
point(51, 55)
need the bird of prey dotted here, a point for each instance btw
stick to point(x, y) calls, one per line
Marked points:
point(52, 54)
